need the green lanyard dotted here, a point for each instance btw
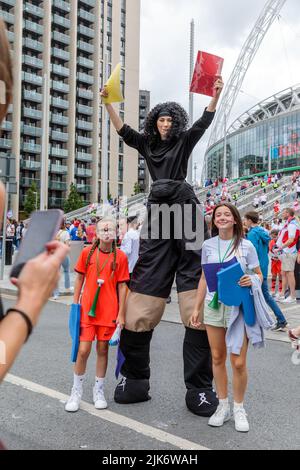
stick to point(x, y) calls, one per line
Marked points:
point(226, 253)
point(99, 270)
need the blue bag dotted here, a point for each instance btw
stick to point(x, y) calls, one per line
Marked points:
point(74, 329)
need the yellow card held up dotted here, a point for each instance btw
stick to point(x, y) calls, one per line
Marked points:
point(113, 87)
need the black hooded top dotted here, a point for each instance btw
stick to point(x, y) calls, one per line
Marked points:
point(168, 159)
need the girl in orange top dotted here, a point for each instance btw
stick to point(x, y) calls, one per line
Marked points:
point(101, 308)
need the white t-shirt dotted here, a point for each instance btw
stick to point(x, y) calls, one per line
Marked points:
point(245, 254)
point(63, 236)
point(291, 229)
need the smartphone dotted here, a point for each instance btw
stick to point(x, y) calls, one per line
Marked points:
point(43, 227)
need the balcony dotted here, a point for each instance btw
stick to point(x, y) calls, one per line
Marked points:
point(87, 94)
point(34, 27)
point(59, 103)
point(85, 78)
point(33, 10)
point(12, 3)
point(61, 21)
point(6, 126)
point(32, 113)
point(83, 188)
point(33, 96)
point(30, 165)
point(5, 143)
point(90, 3)
point(56, 202)
point(85, 125)
point(58, 152)
point(85, 46)
point(87, 32)
point(31, 130)
point(61, 169)
point(60, 86)
point(86, 141)
point(59, 37)
point(31, 148)
point(58, 185)
point(84, 157)
point(8, 17)
point(11, 36)
point(58, 119)
point(60, 53)
point(86, 15)
point(32, 78)
point(64, 6)
point(61, 136)
point(83, 172)
point(87, 63)
point(85, 110)
point(60, 70)
point(27, 182)
point(33, 44)
point(32, 61)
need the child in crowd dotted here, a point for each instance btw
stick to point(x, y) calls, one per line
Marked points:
point(275, 264)
point(101, 309)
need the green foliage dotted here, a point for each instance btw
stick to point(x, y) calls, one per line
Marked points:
point(74, 200)
point(136, 189)
point(32, 199)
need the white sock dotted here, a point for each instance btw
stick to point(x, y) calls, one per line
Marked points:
point(224, 402)
point(99, 382)
point(237, 406)
point(78, 381)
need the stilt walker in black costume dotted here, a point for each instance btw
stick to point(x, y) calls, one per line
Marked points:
point(166, 144)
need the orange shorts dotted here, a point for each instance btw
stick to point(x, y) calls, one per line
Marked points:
point(90, 332)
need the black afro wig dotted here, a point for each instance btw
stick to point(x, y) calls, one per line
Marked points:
point(180, 121)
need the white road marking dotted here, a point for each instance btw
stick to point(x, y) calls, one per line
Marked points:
point(109, 416)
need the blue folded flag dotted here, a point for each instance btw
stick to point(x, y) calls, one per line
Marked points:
point(211, 270)
point(74, 329)
point(233, 295)
point(120, 362)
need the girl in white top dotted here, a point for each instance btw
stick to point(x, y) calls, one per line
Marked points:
point(229, 243)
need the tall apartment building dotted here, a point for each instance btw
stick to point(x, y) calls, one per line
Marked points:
point(144, 108)
point(55, 123)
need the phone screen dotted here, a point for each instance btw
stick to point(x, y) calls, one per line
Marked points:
point(43, 227)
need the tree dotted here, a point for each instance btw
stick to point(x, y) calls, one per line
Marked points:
point(137, 189)
point(74, 200)
point(32, 199)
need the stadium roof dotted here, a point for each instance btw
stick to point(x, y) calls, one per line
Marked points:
point(285, 101)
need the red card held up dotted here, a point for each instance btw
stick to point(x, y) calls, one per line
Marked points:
point(207, 69)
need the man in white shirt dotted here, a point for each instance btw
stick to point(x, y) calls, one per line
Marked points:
point(131, 243)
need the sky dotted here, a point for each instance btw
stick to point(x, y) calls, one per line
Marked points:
point(221, 27)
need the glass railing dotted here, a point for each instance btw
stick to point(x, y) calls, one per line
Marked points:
point(29, 147)
point(85, 78)
point(35, 27)
point(32, 78)
point(6, 126)
point(60, 70)
point(86, 125)
point(33, 96)
point(63, 38)
point(88, 32)
point(59, 103)
point(81, 140)
point(58, 152)
point(33, 61)
point(33, 44)
point(11, 2)
point(6, 143)
point(33, 10)
point(11, 36)
point(62, 21)
point(58, 169)
point(32, 113)
point(58, 119)
point(85, 109)
point(30, 165)
point(86, 15)
point(85, 46)
point(84, 157)
point(86, 62)
point(83, 172)
point(83, 188)
point(28, 181)
point(60, 53)
point(62, 5)
point(90, 3)
point(60, 86)
point(31, 130)
point(59, 185)
point(56, 135)
point(55, 202)
point(83, 93)
point(8, 17)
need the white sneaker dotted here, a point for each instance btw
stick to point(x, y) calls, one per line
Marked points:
point(280, 298)
point(73, 404)
point(289, 300)
point(240, 420)
point(99, 399)
point(221, 415)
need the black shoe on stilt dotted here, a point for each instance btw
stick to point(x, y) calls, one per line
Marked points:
point(130, 391)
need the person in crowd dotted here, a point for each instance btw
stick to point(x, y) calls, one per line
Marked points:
point(101, 308)
point(63, 236)
point(256, 202)
point(260, 240)
point(91, 231)
point(287, 248)
point(40, 275)
point(227, 242)
point(19, 234)
point(275, 265)
point(276, 207)
point(298, 188)
point(263, 199)
point(131, 243)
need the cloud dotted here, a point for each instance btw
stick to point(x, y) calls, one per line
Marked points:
point(222, 27)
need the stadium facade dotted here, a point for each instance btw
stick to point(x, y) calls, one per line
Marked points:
point(264, 138)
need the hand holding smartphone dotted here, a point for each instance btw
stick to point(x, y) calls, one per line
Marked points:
point(43, 227)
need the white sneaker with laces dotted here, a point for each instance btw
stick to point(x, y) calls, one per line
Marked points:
point(99, 399)
point(240, 420)
point(73, 404)
point(221, 415)
point(289, 300)
point(280, 298)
